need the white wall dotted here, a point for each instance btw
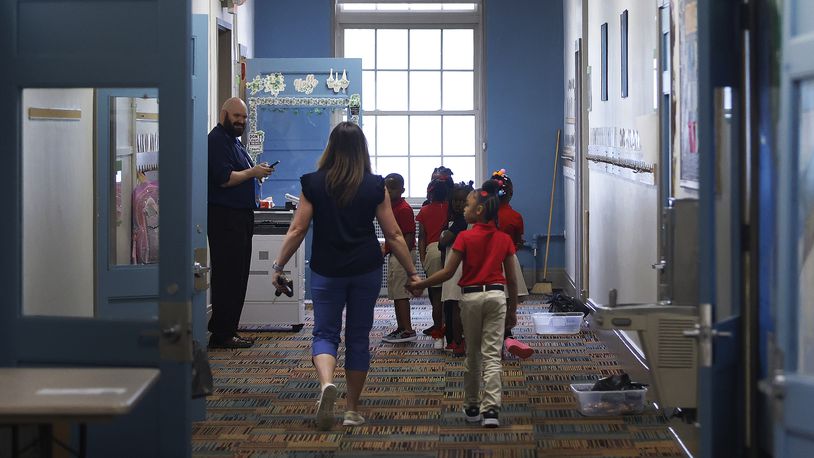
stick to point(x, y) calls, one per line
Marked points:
point(245, 34)
point(624, 210)
point(58, 206)
point(572, 29)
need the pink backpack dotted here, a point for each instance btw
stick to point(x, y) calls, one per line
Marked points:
point(145, 223)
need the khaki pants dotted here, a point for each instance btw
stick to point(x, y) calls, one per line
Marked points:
point(483, 315)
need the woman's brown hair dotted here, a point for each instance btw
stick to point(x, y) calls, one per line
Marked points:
point(346, 159)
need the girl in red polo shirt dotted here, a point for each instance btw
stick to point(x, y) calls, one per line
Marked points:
point(511, 222)
point(432, 218)
point(486, 254)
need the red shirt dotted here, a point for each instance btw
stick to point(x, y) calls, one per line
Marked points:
point(433, 217)
point(510, 222)
point(406, 221)
point(484, 248)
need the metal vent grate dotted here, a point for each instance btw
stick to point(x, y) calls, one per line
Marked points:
point(675, 350)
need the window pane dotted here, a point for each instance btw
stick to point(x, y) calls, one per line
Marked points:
point(459, 49)
point(459, 135)
point(391, 49)
point(391, 89)
point(425, 135)
point(391, 135)
point(463, 168)
point(361, 43)
point(369, 128)
point(387, 165)
point(368, 91)
point(459, 6)
point(425, 91)
point(425, 49)
point(420, 173)
point(458, 91)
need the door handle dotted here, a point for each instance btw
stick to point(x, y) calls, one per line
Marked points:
point(659, 265)
point(172, 333)
point(200, 270)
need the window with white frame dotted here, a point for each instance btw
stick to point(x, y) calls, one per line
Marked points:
point(420, 85)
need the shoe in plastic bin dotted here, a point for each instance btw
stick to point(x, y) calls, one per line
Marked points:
point(608, 403)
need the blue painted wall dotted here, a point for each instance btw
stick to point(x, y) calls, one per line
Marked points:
point(293, 28)
point(524, 109)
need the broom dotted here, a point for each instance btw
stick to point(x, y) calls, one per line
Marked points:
point(545, 286)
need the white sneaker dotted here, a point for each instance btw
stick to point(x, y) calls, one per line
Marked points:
point(353, 419)
point(438, 344)
point(325, 407)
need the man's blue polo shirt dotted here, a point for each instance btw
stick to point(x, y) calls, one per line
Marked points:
point(227, 155)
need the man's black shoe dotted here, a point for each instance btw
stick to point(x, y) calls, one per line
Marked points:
point(245, 338)
point(232, 342)
point(490, 418)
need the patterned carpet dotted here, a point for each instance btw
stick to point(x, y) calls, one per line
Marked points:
point(265, 399)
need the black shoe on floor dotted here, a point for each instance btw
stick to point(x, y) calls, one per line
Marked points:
point(472, 414)
point(429, 330)
point(232, 342)
point(490, 419)
point(245, 338)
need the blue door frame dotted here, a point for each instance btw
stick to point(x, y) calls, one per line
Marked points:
point(92, 44)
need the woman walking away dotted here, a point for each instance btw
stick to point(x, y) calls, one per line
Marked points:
point(486, 254)
point(342, 197)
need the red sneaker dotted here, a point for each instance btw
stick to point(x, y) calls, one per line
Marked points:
point(451, 346)
point(518, 348)
point(460, 349)
point(438, 332)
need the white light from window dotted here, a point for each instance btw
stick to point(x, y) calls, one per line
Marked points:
point(391, 49)
point(361, 43)
point(368, 90)
point(369, 128)
point(458, 91)
point(425, 135)
point(425, 91)
point(459, 49)
point(401, 7)
point(463, 168)
point(391, 135)
point(391, 89)
point(425, 49)
point(388, 165)
point(459, 135)
point(420, 173)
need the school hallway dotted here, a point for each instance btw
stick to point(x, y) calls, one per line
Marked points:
point(265, 396)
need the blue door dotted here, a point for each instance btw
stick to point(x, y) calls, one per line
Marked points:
point(81, 288)
point(793, 387)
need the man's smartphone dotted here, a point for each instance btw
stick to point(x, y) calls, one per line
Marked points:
point(275, 163)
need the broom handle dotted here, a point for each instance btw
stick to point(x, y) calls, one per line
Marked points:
point(551, 205)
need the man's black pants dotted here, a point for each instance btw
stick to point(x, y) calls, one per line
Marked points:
point(230, 244)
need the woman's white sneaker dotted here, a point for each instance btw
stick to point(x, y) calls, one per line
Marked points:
point(353, 419)
point(325, 407)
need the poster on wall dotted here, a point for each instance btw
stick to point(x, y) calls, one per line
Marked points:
point(688, 81)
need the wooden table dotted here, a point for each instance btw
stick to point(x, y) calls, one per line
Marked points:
point(47, 395)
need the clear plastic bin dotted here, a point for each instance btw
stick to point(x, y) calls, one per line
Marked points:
point(557, 322)
point(608, 403)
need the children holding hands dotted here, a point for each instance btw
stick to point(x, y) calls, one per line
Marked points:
point(486, 253)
